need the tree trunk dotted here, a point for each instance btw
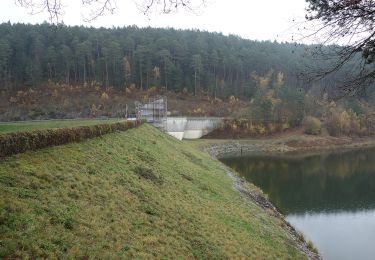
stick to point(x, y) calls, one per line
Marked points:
point(166, 77)
point(75, 73)
point(195, 83)
point(215, 87)
point(140, 75)
point(84, 72)
point(147, 79)
point(68, 75)
point(106, 74)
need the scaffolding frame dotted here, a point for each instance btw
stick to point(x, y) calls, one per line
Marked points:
point(154, 112)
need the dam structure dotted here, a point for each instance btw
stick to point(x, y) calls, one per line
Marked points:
point(191, 127)
point(155, 113)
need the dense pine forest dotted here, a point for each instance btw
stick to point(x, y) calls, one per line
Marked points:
point(31, 55)
point(57, 71)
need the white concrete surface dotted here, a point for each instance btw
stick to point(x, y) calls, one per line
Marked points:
point(190, 128)
point(193, 134)
point(178, 135)
point(176, 124)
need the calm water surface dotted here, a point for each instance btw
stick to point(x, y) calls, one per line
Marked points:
point(329, 197)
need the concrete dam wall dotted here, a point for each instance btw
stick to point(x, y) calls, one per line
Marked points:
point(191, 127)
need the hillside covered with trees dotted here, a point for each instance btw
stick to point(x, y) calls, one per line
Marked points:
point(57, 71)
point(33, 54)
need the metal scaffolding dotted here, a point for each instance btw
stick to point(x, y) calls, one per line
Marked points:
point(154, 112)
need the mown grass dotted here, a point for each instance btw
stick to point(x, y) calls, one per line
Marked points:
point(133, 194)
point(47, 124)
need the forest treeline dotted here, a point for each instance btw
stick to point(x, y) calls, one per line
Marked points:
point(123, 64)
point(189, 60)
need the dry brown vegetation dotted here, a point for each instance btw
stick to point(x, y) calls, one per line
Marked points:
point(91, 100)
point(243, 128)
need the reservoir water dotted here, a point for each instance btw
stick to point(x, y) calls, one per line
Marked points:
point(329, 197)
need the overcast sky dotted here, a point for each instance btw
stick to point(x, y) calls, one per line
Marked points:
point(252, 19)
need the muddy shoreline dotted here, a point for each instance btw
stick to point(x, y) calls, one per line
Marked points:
point(287, 147)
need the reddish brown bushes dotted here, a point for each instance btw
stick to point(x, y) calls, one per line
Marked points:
point(242, 128)
point(18, 142)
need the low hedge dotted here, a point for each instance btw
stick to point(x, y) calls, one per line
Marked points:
point(18, 142)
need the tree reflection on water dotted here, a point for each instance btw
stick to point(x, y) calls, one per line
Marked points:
point(316, 183)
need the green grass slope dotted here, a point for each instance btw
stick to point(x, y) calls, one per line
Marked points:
point(138, 194)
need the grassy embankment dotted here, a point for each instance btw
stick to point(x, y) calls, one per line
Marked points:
point(137, 193)
point(47, 124)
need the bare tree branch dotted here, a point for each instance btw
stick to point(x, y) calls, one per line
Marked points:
point(55, 8)
point(102, 8)
point(349, 27)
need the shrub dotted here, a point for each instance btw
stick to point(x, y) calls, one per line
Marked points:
point(312, 125)
point(260, 129)
point(311, 246)
point(18, 142)
point(104, 97)
point(285, 126)
point(342, 122)
point(232, 100)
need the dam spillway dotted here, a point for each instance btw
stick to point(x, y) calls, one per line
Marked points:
point(191, 127)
